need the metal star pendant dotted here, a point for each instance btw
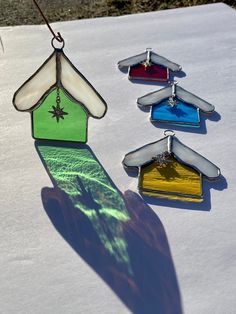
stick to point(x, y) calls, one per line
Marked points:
point(162, 159)
point(172, 102)
point(58, 112)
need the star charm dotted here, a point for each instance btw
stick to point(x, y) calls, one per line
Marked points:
point(172, 102)
point(58, 112)
point(162, 159)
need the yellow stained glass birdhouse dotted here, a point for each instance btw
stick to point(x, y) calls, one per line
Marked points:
point(169, 169)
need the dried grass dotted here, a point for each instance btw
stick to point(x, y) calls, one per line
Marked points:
point(17, 12)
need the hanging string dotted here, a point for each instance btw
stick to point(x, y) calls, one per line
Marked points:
point(57, 36)
point(1, 43)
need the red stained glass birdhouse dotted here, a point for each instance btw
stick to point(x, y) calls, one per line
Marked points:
point(149, 66)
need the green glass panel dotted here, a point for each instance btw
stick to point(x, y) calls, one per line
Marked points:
point(66, 121)
point(77, 172)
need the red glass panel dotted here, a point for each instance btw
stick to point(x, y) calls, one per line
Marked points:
point(153, 72)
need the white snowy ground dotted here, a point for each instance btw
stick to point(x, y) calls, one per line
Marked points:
point(40, 272)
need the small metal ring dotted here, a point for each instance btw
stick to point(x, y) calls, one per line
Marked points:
point(61, 42)
point(169, 133)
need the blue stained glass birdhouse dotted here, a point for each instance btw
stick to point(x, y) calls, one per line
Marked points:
point(175, 105)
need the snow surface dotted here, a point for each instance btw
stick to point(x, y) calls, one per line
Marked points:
point(40, 272)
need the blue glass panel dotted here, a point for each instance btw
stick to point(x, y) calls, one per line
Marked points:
point(181, 113)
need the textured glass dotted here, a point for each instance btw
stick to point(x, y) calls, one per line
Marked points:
point(32, 90)
point(80, 89)
point(181, 112)
point(57, 71)
point(194, 100)
point(145, 154)
point(157, 59)
point(172, 181)
point(132, 60)
point(154, 58)
point(155, 97)
point(69, 124)
point(158, 96)
point(156, 72)
point(171, 144)
point(78, 175)
point(190, 157)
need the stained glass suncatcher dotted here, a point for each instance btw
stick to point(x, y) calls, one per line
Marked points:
point(169, 169)
point(60, 100)
point(149, 66)
point(175, 105)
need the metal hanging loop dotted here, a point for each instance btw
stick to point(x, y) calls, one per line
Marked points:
point(61, 44)
point(1, 43)
point(169, 133)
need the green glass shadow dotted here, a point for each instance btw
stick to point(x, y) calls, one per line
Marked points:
point(77, 172)
point(71, 127)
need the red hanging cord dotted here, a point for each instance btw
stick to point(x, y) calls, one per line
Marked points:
point(57, 36)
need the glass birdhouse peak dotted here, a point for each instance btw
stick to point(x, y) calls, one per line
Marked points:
point(172, 92)
point(169, 144)
point(58, 72)
point(149, 56)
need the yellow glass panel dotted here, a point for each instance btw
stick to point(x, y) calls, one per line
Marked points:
point(171, 179)
point(174, 197)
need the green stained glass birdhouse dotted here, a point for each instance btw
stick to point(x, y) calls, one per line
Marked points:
point(60, 101)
